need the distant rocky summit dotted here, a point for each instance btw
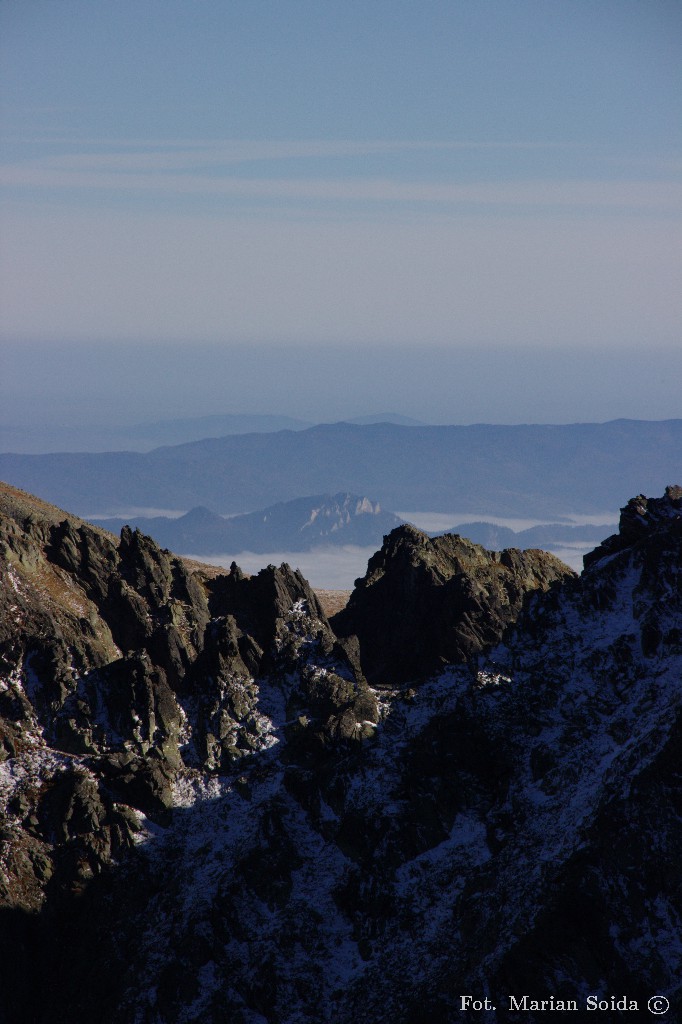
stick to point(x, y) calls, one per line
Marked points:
point(218, 808)
point(298, 525)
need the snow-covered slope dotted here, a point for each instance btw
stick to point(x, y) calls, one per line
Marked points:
point(509, 825)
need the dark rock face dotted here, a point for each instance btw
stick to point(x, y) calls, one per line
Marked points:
point(262, 837)
point(425, 603)
point(637, 519)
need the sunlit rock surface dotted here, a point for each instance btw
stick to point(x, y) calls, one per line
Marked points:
point(209, 814)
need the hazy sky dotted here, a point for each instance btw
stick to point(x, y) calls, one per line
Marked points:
point(378, 184)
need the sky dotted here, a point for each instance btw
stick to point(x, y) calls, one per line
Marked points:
point(459, 210)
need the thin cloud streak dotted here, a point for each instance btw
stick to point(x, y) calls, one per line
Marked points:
point(200, 168)
point(247, 150)
point(661, 196)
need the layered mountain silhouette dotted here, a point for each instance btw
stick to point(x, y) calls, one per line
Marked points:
point(287, 526)
point(218, 806)
point(529, 471)
point(320, 521)
point(547, 536)
point(142, 437)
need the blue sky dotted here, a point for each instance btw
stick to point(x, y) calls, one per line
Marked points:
point(468, 178)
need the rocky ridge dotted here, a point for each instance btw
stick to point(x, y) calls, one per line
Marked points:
point(121, 667)
point(508, 822)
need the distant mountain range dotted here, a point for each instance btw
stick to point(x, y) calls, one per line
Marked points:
point(143, 437)
point(547, 537)
point(325, 520)
point(287, 526)
point(485, 470)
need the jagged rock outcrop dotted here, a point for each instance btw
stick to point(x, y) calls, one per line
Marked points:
point(427, 602)
point(119, 667)
point(638, 520)
point(510, 825)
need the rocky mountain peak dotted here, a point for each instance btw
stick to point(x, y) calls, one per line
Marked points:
point(424, 602)
point(200, 516)
point(639, 518)
point(116, 652)
point(296, 525)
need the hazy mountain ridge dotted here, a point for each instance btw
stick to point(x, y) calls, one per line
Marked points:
point(143, 437)
point(292, 526)
point(322, 520)
point(539, 471)
point(227, 823)
point(546, 536)
point(138, 437)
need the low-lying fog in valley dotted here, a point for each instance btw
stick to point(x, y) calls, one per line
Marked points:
point(337, 568)
point(327, 568)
